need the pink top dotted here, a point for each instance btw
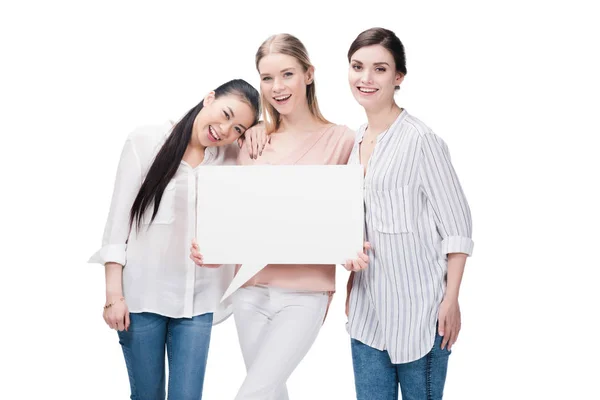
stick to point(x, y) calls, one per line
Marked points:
point(330, 146)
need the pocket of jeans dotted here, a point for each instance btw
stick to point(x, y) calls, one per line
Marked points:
point(140, 322)
point(437, 347)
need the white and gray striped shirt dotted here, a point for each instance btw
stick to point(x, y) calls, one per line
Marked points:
point(415, 214)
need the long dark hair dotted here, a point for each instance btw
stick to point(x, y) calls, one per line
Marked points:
point(385, 38)
point(169, 157)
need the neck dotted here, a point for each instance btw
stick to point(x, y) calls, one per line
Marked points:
point(380, 119)
point(299, 120)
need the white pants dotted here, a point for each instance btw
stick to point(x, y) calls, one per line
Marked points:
point(276, 328)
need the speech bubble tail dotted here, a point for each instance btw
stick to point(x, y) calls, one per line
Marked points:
point(244, 274)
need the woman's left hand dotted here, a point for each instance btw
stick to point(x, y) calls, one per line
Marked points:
point(449, 322)
point(360, 263)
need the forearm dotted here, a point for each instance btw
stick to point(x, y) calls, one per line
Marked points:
point(349, 284)
point(114, 279)
point(456, 267)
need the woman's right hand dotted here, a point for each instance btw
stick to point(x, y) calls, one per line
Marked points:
point(197, 257)
point(360, 263)
point(116, 313)
point(255, 139)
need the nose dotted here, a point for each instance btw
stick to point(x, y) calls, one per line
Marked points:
point(226, 128)
point(278, 85)
point(366, 77)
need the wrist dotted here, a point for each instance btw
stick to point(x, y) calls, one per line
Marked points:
point(451, 295)
point(110, 303)
point(113, 295)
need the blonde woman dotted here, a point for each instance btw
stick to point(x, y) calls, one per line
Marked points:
point(279, 312)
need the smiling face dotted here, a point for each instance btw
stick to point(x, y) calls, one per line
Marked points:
point(222, 121)
point(372, 76)
point(283, 82)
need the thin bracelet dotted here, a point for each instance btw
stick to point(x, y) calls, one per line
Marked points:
point(109, 305)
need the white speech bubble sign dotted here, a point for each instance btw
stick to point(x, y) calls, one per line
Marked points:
point(285, 214)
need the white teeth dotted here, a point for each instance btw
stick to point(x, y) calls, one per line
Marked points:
point(213, 133)
point(365, 90)
point(281, 98)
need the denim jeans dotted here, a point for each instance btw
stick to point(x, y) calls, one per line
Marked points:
point(376, 378)
point(186, 341)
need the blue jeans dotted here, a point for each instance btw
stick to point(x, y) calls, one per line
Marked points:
point(186, 341)
point(376, 378)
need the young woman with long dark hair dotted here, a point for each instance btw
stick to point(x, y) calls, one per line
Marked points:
point(156, 297)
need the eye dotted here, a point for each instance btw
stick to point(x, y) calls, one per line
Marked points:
point(226, 115)
point(380, 69)
point(238, 130)
point(288, 74)
point(266, 78)
point(356, 67)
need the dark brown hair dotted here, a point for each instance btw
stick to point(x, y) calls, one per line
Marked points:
point(169, 157)
point(383, 37)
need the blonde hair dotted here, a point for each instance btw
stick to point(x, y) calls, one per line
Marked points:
point(290, 45)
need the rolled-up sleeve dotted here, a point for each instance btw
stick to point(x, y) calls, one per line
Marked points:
point(445, 196)
point(116, 231)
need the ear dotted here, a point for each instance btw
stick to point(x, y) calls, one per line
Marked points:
point(209, 98)
point(399, 79)
point(309, 75)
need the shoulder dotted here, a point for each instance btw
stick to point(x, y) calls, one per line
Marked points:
point(415, 126)
point(149, 135)
point(343, 133)
point(420, 131)
point(146, 140)
point(341, 143)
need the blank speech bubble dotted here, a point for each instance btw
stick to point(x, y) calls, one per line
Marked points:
point(285, 214)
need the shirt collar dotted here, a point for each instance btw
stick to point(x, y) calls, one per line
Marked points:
point(385, 134)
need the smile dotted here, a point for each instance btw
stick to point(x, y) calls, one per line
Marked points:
point(213, 135)
point(282, 99)
point(367, 90)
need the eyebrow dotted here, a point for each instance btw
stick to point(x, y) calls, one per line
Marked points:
point(377, 63)
point(283, 70)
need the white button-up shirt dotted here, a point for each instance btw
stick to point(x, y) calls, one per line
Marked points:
point(415, 214)
point(158, 275)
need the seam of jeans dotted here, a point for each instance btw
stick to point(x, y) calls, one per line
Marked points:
point(428, 377)
point(397, 376)
point(169, 350)
point(129, 367)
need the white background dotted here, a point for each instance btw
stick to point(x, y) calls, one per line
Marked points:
point(512, 86)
